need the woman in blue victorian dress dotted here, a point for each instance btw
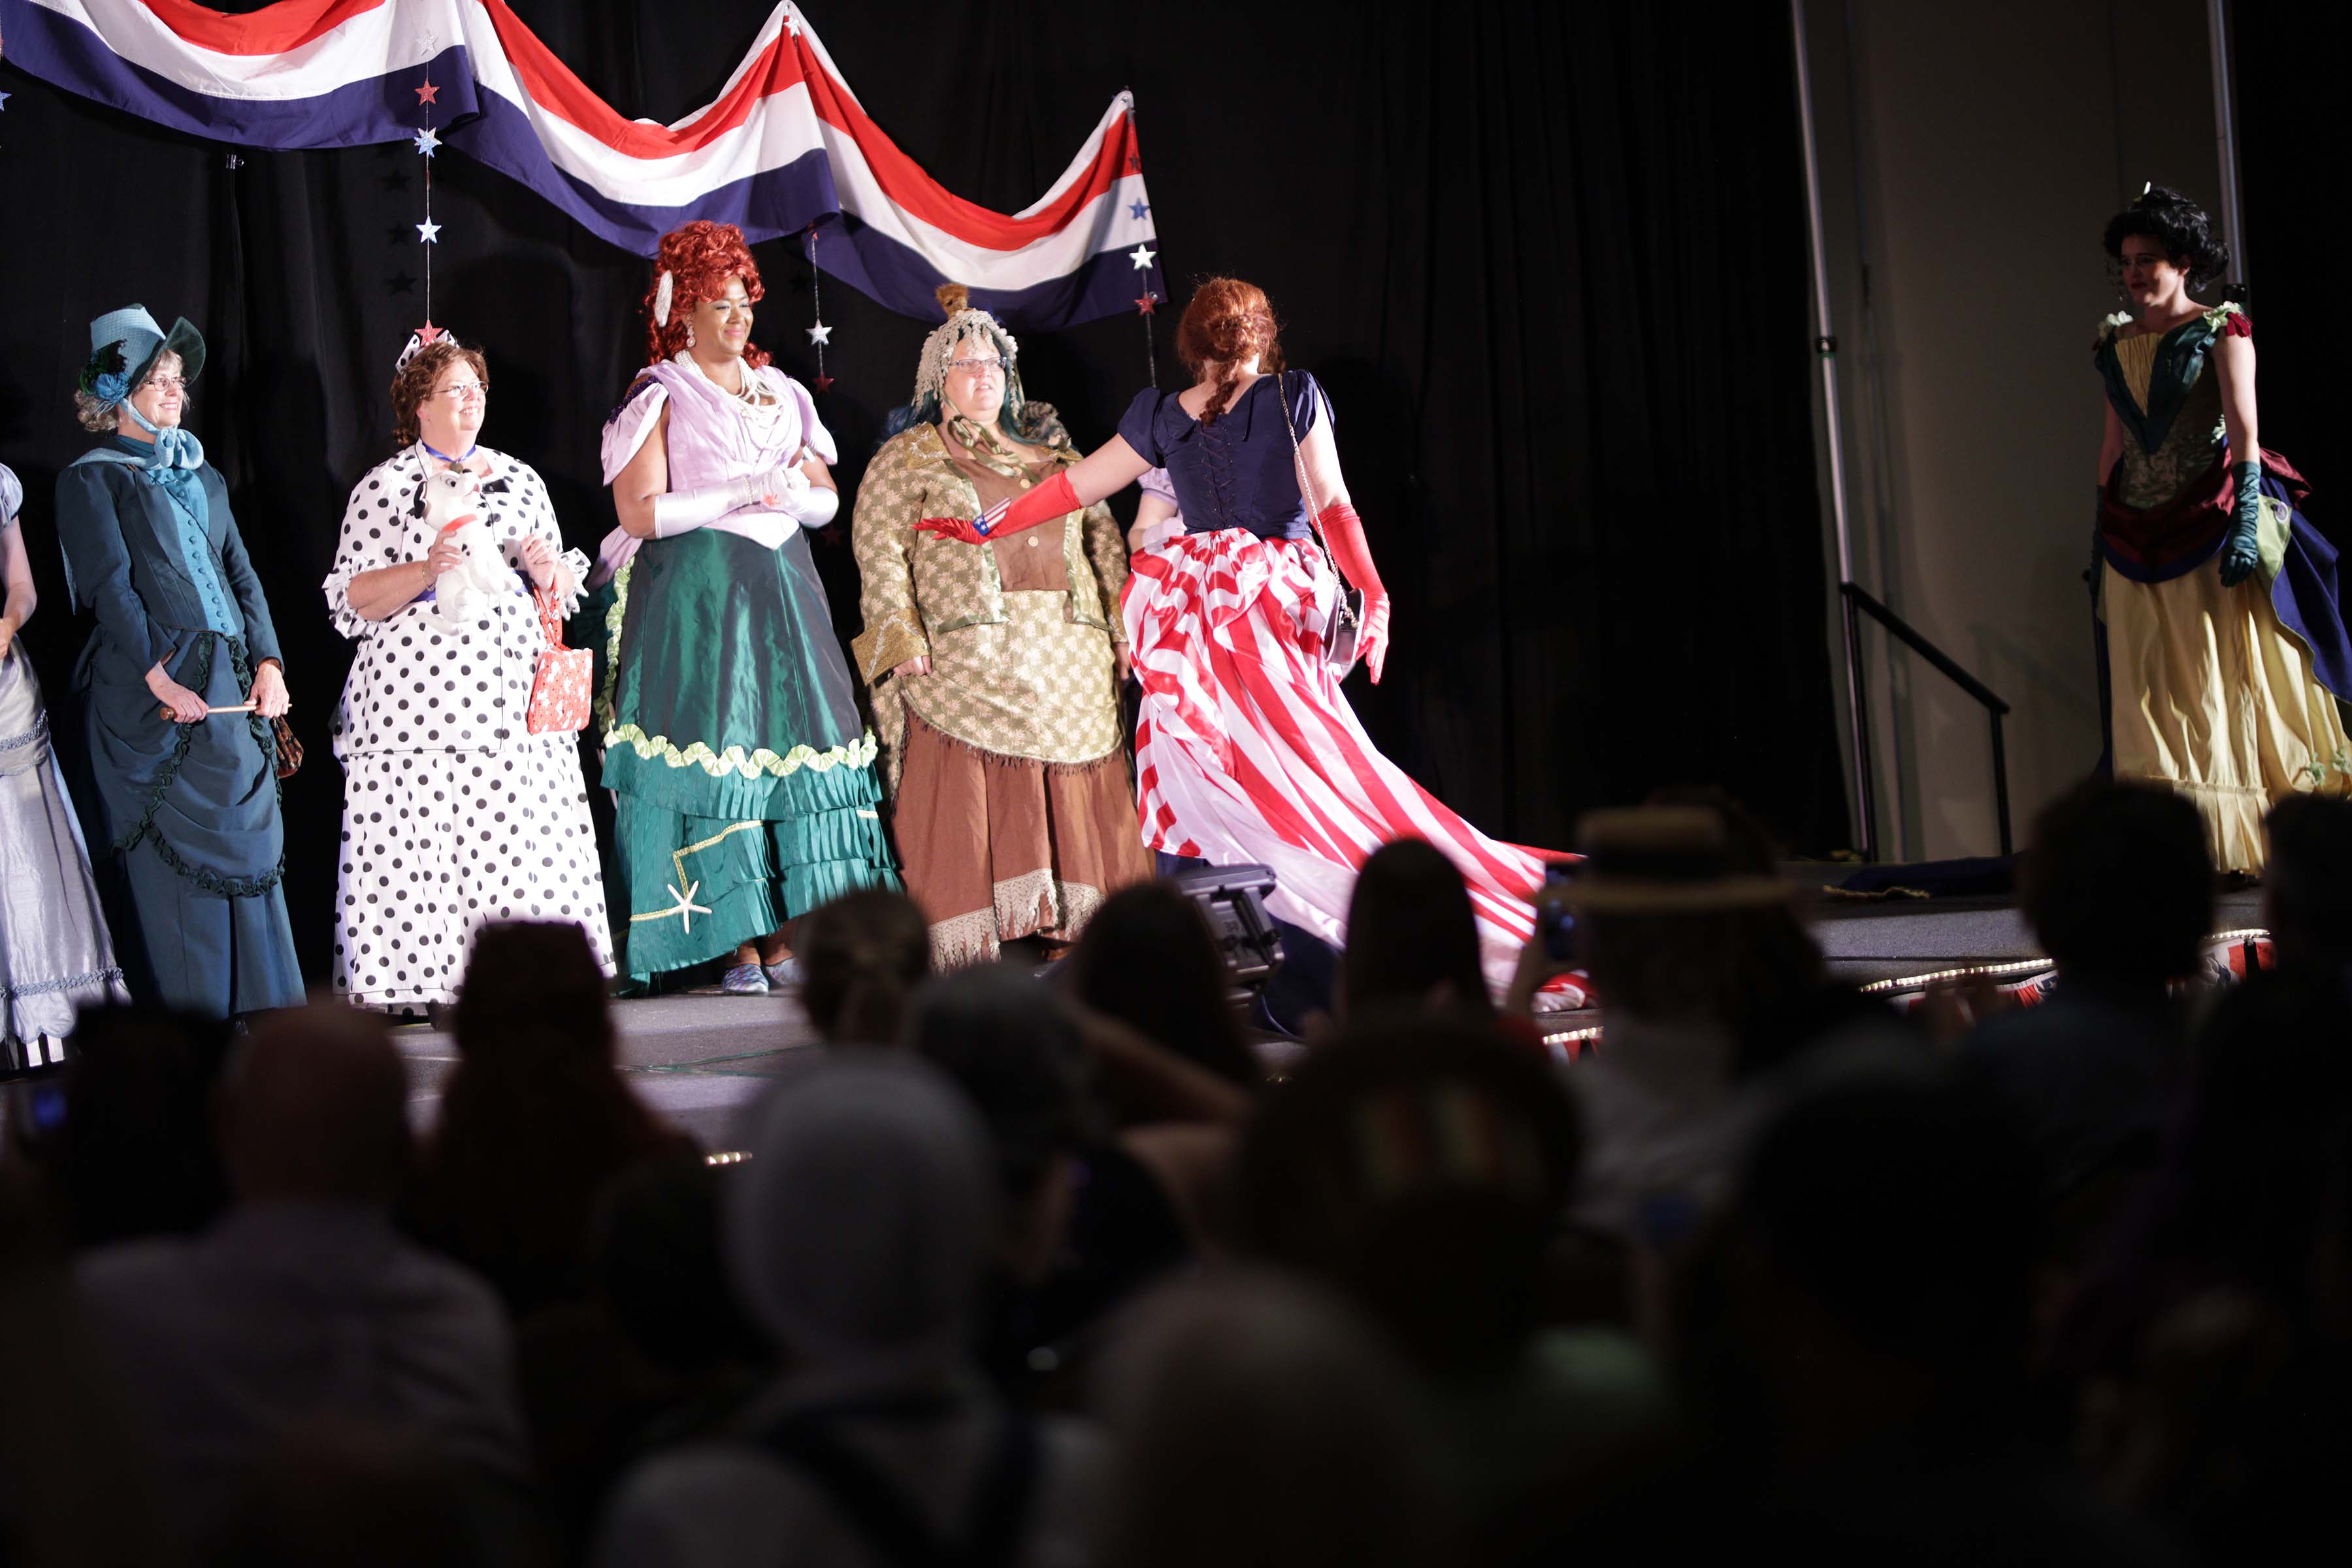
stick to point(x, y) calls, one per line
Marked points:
point(181, 679)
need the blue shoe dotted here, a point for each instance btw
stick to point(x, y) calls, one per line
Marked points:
point(783, 972)
point(744, 980)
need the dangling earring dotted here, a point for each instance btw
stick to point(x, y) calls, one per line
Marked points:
point(689, 334)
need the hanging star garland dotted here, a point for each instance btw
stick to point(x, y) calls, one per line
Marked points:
point(428, 233)
point(1142, 256)
point(820, 334)
point(1144, 301)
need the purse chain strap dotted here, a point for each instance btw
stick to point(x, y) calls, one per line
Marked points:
point(1306, 493)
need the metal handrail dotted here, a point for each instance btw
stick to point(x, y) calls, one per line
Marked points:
point(1853, 596)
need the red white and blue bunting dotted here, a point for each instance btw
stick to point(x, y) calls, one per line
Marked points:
point(784, 145)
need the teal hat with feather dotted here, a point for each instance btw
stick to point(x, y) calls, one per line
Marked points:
point(124, 346)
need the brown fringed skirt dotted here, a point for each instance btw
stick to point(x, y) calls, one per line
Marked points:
point(996, 848)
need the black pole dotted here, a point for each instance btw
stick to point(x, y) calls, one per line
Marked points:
point(1866, 786)
point(1999, 781)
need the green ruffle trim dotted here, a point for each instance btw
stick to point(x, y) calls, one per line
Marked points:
point(736, 760)
point(743, 880)
point(617, 613)
point(649, 773)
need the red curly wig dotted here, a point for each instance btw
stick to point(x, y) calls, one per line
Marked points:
point(1227, 323)
point(699, 256)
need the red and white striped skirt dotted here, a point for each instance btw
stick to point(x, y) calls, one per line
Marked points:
point(1246, 750)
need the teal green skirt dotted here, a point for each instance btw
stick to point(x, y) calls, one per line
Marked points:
point(745, 784)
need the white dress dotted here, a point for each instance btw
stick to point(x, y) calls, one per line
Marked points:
point(54, 955)
point(454, 813)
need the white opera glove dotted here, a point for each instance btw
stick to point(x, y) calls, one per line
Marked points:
point(682, 512)
point(809, 505)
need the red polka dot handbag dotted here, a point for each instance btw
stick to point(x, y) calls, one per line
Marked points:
point(559, 694)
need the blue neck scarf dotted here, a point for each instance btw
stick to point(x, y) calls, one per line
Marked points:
point(171, 462)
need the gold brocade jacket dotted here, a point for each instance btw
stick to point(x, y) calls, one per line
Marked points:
point(1019, 631)
point(917, 586)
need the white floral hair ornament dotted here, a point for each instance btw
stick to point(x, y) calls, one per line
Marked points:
point(662, 291)
point(962, 320)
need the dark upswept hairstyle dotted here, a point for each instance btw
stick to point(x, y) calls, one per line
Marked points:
point(2178, 224)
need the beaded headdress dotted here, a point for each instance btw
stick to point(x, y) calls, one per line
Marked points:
point(963, 320)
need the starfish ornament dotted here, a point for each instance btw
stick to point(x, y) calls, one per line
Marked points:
point(686, 909)
point(426, 141)
point(1142, 256)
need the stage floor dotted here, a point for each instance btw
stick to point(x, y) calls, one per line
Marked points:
point(700, 1058)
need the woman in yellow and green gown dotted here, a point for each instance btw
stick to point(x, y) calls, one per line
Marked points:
point(2224, 646)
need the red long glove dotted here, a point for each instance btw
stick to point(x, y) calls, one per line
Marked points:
point(1040, 503)
point(1343, 535)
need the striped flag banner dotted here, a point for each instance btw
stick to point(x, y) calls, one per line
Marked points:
point(784, 146)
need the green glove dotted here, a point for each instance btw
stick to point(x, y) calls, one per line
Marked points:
point(2243, 550)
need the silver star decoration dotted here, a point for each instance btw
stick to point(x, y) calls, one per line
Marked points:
point(686, 909)
point(820, 334)
point(426, 141)
point(793, 22)
point(1142, 256)
point(428, 232)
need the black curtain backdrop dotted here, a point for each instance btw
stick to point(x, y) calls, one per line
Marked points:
point(2288, 59)
point(1549, 259)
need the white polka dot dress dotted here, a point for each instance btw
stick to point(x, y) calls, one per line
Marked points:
point(454, 813)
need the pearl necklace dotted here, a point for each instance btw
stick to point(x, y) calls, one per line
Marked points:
point(762, 409)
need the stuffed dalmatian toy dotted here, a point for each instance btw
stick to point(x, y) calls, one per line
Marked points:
point(466, 591)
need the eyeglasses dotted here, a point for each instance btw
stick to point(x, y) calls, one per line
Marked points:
point(975, 366)
point(466, 390)
point(167, 382)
